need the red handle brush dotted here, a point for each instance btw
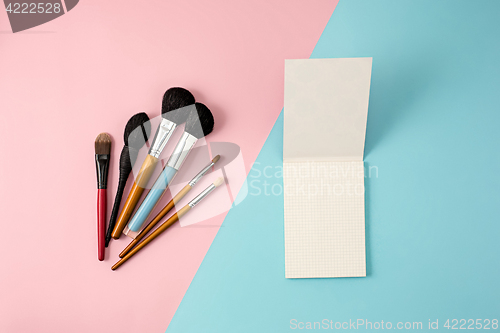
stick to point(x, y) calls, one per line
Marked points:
point(102, 155)
point(101, 218)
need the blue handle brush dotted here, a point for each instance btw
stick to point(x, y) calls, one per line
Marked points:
point(150, 201)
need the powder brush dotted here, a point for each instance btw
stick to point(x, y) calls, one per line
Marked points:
point(176, 105)
point(199, 123)
point(102, 155)
point(136, 134)
point(182, 193)
point(174, 218)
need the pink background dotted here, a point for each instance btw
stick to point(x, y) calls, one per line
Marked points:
point(87, 72)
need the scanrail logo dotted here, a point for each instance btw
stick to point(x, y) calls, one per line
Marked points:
point(24, 15)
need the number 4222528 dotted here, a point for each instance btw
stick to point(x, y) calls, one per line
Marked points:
point(33, 8)
point(471, 324)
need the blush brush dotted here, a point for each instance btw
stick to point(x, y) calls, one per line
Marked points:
point(176, 104)
point(136, 134)
point(199, 123)
point(102, 155)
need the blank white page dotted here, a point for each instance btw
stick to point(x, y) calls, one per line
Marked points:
point(326, 106)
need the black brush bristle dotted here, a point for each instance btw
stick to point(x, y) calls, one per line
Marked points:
point(125, 162)
point(176, 104)
point(137, 131)
point(200, 121)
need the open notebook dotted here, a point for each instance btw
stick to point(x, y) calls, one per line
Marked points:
point(326, 106)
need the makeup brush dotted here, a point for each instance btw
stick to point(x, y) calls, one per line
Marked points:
point(185, 190)
point(199, 123)
point(102, 154)
point(176, 104)
point(136, 134)
point(174, 218)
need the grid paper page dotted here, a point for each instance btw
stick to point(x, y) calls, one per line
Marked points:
point(324, 219)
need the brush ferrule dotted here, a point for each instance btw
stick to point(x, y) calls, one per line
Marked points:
point(163, 134)
point(200, 174)
point(202, 195)
point(102, 167)
point(181, 151)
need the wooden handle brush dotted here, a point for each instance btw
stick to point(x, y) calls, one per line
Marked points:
point(185, 190)
point(174, 218)
point(135, 136)
point(176, 105)
point(140, 183)
point(102, 155)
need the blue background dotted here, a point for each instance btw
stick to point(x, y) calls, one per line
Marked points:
point(432, 214)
